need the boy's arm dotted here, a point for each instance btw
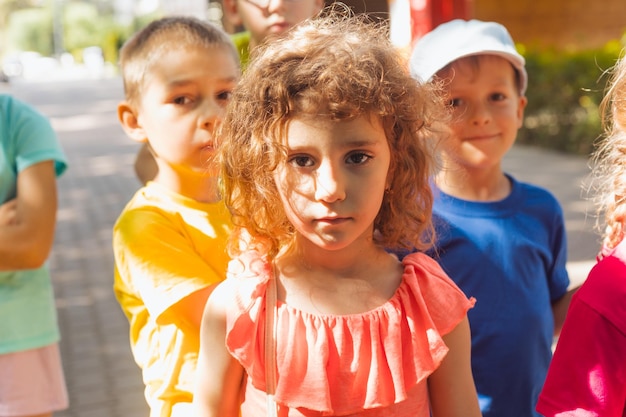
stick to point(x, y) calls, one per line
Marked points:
point(158, 261)
point(451, 387)
point(27, 223)
point(189, 311)
point(145, 166)
point(559, 309)
point(219, 376)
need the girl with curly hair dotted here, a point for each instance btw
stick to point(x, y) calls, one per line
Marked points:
point(326, 160)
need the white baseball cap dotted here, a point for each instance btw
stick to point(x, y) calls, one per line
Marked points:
point(460, 38)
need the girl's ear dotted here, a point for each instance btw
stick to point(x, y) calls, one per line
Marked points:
point(128, 118)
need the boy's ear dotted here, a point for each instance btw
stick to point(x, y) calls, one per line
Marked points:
point(130, 123)
point(231, 13)
point(520, 111)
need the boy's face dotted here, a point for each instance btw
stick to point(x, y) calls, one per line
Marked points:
point(487, 110)
point(182, 102)
point(263, 18)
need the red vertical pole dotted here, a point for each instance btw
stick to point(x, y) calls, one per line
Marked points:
point(421, 18)
point(428, 14)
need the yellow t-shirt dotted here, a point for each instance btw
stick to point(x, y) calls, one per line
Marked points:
point(166, 247)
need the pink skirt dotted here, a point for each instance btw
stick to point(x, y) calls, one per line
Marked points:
point(32, 382)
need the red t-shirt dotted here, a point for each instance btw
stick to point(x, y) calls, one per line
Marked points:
point(587, 376)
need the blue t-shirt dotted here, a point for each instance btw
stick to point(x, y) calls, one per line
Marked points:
point(26, 299)
point(510, 255)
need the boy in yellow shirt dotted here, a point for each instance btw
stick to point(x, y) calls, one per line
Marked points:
point(170, 240)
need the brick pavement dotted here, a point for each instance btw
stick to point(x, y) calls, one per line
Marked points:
point(102, 378)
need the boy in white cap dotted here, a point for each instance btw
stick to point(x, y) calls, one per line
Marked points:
point(500, 240)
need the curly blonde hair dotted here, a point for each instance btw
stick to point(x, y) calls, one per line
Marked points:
point(609, 169)
point(336, 66)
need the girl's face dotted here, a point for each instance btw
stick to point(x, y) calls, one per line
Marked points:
point(334, 178)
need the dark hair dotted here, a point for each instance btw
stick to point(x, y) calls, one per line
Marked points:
point(146, 47)
point(474, 62)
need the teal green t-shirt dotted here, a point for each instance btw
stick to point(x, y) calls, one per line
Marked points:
point(26, 298)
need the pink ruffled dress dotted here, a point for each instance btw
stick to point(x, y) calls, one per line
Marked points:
point(370, 364)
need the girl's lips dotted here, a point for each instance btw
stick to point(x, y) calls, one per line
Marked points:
point(333, 220)
point(279, 27)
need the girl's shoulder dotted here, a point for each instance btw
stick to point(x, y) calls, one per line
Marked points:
point(246, 281)
point(423, 270)
point(444, 300)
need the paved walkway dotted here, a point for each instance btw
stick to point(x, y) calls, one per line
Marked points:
point(102, 378)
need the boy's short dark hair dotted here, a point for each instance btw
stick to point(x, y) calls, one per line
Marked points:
point(146, 47)
point(474, 61)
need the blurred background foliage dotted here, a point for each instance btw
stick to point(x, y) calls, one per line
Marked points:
point(52, 27)
point(564, 92)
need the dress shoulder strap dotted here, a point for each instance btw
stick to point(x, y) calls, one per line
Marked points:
point(270, 345)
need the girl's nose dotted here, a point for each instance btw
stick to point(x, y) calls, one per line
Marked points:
point(329, 185)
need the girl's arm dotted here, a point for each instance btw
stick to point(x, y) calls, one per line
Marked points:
point(219, 375)
point(451, 387)
point(27, 223)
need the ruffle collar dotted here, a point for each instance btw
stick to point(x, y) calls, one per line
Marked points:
point(345, 364)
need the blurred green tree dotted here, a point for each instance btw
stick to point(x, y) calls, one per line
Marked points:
point(31, 30)
point(82, 26)
point(7, 7)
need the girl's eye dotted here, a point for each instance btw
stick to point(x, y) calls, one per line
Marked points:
point(358, 158)
point(498, 96)
point(301, 161)
point(182, 100)
point(455, 102)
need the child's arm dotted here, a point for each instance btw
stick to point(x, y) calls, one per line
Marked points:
point(27, 223)
point(451, 387)
point(8, 213)
point(219, 375)
point(158, 262)
point(559, 309)
point(189, 310)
